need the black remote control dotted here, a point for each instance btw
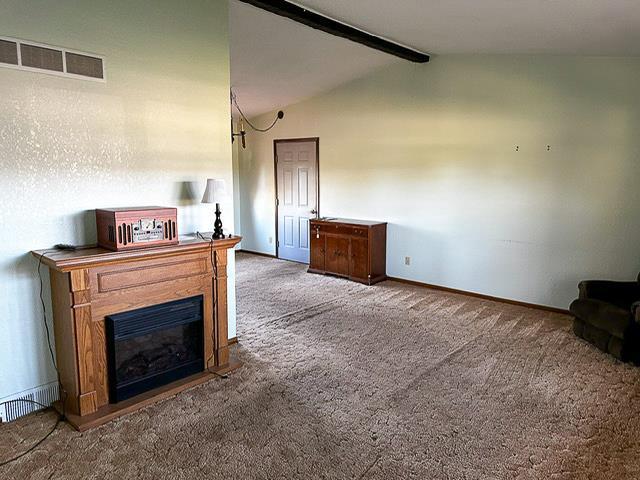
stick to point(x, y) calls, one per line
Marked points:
point(64, 246)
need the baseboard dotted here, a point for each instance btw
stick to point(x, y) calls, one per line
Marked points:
point(268, 255)
point(232, 341)
point(44, 394)
point(481, 295)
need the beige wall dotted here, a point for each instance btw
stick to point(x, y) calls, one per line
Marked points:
point(68, 146)
point(432, 150)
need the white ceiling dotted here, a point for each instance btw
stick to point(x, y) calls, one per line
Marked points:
point(575, 27)
point(276, 62)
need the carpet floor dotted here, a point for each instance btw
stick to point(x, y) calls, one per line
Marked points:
point(345, 381)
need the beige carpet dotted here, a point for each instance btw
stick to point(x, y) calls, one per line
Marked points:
point(346, 381)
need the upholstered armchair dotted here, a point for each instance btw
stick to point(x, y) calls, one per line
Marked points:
point(607, 314)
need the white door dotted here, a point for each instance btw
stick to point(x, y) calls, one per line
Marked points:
point(297, 196)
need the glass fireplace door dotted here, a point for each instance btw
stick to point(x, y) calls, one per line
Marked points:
point(153, 346)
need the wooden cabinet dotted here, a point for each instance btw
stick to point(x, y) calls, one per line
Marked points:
point(355, 249)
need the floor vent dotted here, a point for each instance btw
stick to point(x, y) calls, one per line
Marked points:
point(45, 394)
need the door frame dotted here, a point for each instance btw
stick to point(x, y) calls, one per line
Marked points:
point(275, 177)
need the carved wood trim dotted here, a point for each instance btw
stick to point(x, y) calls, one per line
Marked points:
point(80, 289)
point(221, 350)
point(88, 403)
point(79, 280)
point(92, 256)
point(84, 347)
point(79, 310)
point(148, 275)
point(81, 297)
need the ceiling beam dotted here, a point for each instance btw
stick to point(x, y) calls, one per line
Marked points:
point(333, 27)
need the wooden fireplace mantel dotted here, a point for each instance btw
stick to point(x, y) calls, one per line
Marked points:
point(91, 283)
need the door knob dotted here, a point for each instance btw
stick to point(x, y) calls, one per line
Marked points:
point(314, 211)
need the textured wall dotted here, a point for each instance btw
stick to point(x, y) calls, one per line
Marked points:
point(431, 149)
point(151, 135)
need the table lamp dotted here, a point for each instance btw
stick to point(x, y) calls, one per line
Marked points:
point(216, 192)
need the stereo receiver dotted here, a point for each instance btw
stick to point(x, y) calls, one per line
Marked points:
point(136, 227)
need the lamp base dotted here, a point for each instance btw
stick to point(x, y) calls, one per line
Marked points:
point(217, 225)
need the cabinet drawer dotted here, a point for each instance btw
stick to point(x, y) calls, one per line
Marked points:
point(339, 229)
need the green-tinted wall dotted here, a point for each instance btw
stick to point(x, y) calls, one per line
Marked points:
point(432, 150)
point(154, 131)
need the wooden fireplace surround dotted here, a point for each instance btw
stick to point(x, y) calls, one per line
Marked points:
point(90, 283)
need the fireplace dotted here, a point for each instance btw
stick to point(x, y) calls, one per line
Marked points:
point(153, 346)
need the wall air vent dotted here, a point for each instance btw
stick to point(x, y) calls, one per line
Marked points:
point(37, 57)
point(84, 65)
point(8, 52)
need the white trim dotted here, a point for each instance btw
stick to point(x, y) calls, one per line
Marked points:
point(19, 53)
point(64, 61)
point(64, 51)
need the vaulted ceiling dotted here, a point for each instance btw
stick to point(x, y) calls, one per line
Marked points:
point(276, 62)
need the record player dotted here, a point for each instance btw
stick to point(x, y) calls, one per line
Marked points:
point(127, 228)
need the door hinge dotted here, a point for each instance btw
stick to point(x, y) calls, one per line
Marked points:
point(277, 202)
point(278, 244)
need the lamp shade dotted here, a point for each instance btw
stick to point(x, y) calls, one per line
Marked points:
point(215, 192)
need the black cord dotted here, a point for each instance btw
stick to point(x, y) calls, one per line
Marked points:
point(35, 445)
point(244, 117)
point(214, 268)
point(44, 316)
point(61, 390)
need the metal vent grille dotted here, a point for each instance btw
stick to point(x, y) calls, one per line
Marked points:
point(8, 52)
point(84, 65)
point(46, 395)
point(41, 57)
point(36, 57)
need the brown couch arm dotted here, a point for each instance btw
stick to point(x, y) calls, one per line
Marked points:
point(622, 294)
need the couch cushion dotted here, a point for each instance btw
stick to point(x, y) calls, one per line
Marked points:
point(602, 315)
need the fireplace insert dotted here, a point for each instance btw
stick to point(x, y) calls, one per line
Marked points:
point(152, 346)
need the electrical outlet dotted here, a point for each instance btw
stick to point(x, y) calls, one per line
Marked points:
point(407, 260)
point(270, 239)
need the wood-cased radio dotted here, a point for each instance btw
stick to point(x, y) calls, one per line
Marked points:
point(127, 228)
